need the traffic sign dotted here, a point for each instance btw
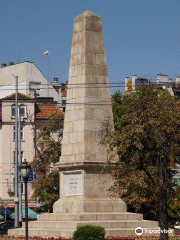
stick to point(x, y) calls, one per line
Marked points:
point(31, 175)
point(5, 211)
point(5, 204)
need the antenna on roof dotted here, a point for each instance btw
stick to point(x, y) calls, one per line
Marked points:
point(19, 55)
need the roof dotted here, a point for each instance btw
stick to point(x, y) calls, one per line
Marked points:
point(45, 111)
point(44, 100)
point(60, 87)
point(21, 96)
point(15, 64)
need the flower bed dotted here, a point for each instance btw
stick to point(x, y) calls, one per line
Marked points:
point(142, 238)
point(175, 237)
point(32, 238)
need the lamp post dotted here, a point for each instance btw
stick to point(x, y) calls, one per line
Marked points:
point(25, 170)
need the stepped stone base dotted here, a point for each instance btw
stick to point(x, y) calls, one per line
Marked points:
point(89, 205)
point(64, 224)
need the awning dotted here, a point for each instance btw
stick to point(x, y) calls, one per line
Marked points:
point(11, 205)
point(31, 214)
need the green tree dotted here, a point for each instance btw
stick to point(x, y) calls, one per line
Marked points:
point(147, 140)
point(48, 150)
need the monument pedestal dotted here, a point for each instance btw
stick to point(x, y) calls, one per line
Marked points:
point(86, 190)
point(83, 201)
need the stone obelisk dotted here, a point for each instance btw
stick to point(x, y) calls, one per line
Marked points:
point(82, 186)
point(84, 197)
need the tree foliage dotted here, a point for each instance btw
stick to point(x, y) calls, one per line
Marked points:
point(48, 150)
point(147, 140)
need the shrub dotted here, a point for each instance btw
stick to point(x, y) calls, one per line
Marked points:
point(89, 232)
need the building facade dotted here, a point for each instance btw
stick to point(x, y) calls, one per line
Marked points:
point(31, 81)
point(34, 114)
point(161, 81)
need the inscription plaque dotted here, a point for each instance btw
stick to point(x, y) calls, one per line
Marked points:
point(72, 184)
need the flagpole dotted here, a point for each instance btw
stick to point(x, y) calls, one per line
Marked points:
point(19, 55)
point(46, 53)
point(48, 67)
point(48, 71)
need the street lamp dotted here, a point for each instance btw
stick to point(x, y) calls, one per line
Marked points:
point(25, 171)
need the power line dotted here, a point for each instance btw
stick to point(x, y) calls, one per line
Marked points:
point(92, 103)
point(87, 85)
point(149, 76)
point(49, 84)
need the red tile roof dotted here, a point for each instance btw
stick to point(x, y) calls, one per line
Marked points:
point(45, 111)
point(21, 96)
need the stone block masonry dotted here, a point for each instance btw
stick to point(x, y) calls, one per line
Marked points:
point(84, 197)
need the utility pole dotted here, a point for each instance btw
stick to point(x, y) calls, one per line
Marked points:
point(16, 194)
point(19, 172)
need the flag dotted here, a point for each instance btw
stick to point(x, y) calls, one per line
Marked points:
point(46, 53)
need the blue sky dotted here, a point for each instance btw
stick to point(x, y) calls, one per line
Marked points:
point(141, 36)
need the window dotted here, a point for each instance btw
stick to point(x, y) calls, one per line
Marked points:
point(13, 110)
point(22, 156)
point(22, 109)
point(141, 81)
point(14, 133)
point(34, 85)
point(63, 102)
